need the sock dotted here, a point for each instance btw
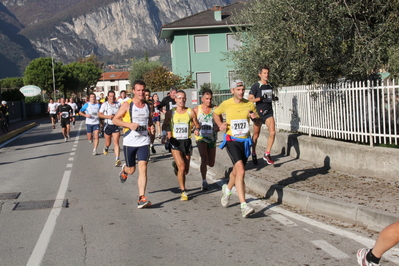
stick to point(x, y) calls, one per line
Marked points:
point(267, 153)
point(116, 158)
point(243, 205)
point(228, 191)
point(253, 153)
point(371, 258)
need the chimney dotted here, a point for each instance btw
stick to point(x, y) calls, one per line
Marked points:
point(217, 11)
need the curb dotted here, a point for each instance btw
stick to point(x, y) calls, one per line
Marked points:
point(331, 208)
point(16, 132)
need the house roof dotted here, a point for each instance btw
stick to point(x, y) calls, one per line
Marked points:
point(123, 75)
point(204, 19)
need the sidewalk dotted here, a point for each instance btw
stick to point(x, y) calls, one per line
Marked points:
point(363, 201)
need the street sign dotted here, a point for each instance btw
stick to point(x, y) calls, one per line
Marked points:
point(30, 90)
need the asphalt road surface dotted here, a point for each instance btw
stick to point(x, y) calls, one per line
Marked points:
point(73, 210)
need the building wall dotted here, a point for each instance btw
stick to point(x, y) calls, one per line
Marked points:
point(105, 86)
point(185, 59)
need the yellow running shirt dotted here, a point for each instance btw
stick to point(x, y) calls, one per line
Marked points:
point(236, 116)
point(180, 124)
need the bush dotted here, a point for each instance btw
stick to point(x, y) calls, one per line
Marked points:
point(12, 95)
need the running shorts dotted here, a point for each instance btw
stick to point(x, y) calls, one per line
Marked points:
point(65, 121)
point(156, 119)
point(183, 145)
point(265, 114)
point(210, 144)
point(142, 153)
point(109, 129)
point(91, 128)
point(53, 116)
point(236, 151)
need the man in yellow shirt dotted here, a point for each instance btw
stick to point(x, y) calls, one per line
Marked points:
point(237, 141)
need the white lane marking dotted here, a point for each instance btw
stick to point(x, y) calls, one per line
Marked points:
point(72, 154)
point(42, 243)
point(307, 230)
point(283, 220)
point(69, 165)
point(363, 241)
point(330, 249)
point(70, 159)
point(73, 149)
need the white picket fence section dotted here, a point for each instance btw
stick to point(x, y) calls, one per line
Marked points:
point(355, 111)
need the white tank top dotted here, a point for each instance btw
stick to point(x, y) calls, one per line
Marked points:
point(138, 137)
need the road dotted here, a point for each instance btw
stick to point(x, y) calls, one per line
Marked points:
point(102, 226)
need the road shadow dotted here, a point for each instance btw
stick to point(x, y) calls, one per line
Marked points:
point(297, 176)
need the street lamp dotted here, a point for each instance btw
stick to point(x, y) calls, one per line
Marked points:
point(52, 64)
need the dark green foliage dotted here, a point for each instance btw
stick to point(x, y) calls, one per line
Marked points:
point(12, 95)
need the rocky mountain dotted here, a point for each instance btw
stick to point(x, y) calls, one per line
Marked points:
point(81, 27)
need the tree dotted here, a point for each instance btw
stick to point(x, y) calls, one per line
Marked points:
point(140, 67)
point(80, 77)
point(12, 95)
point(312, 41)
point(39, 72)
point(11, 83)
point(161, 78)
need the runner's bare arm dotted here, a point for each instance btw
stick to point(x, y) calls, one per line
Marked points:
point(117, 120)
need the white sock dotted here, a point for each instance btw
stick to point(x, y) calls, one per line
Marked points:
point(243, 205)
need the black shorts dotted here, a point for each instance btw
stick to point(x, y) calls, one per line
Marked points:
point(53, 116)
point(183, 145)
point(64, 122)
point(265, 114)
point(236, 151)
point(109, 129)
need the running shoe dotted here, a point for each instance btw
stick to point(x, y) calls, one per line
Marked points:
point(176, 170)
point(53, 127)
point(153, 149)
point(122, 174)
point(73, 126)
point(118, 163)
point(94, 152)
point(226, 197)
point(204, 185)
point(361, 258)
point(105, 151)
point(65, 139)
point(90, 141)
point(184, 196)
point(268, 159)
point(143, 203)
point(254, 159)
point(247, 211)
point(69, 137)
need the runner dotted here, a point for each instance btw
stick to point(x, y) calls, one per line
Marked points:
point(52, 110)
point(5, 112)
point(90, 111)
point(107, 112)
point(206, 141)
point(65, 112)
point(168, 102)
point(178, 124)
point(262, 95)
point(74, 108)
point(237, 141)
point(136, 119)
point(152, 128)
point(122, 97)
point(156, 115)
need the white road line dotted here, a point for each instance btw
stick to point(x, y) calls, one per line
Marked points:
point(16, 137)
point(307, 230)
point(283, 220)
point(70, 159)
point(69, 165)
point(330, 249)
point(72, 154)
point(42, 243)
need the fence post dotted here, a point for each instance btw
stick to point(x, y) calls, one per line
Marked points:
point(309, 114)
point(370, 113)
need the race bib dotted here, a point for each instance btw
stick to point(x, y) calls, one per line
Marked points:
point(239, 127)
point(180, 131)
point(206, 128)
point(65, 114)
point(143, 127)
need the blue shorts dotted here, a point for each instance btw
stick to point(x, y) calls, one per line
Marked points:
point(91, 128)
point(156, 119)
point(142, 153)
point(109, 129)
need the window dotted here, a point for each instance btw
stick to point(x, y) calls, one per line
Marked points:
point(203, 77)
point(232, 76)
point(232, 43)
point(201, 43)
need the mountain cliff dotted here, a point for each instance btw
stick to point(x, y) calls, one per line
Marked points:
point(102, 27)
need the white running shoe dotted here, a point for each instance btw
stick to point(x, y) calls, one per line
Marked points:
point(226, 197)
point(94, 152)
point(247, 211)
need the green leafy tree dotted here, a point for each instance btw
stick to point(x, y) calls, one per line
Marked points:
point(12, 95)
point(12, 83)
point(311, 41)
point(39, 72)
point(160, 79)
point(140, 67)
point(80, 77)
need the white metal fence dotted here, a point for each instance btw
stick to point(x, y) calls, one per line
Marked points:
point(363, 112)
point(360, 112)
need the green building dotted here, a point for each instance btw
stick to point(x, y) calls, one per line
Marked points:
point(199, 41)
